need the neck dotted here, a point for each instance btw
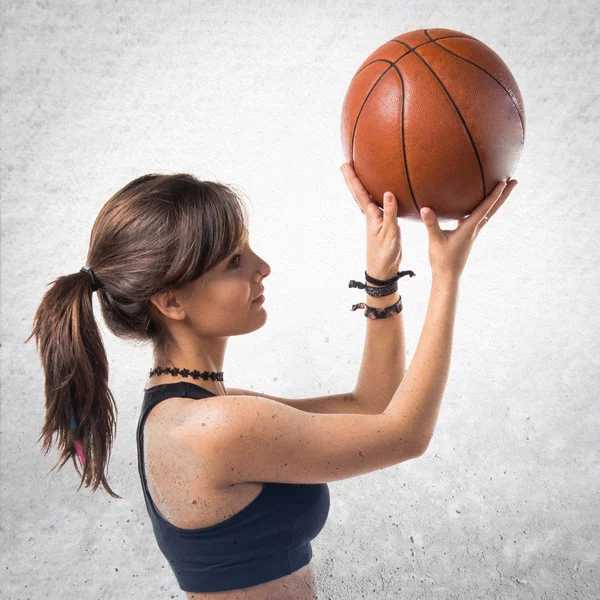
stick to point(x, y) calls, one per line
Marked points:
point(194, 354)
point(214, 386)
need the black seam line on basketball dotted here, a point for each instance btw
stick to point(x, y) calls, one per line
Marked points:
point(363, 105)
point(411, 50)
point(461, 118)
point(412, 194)
point(392, 65)
point(487, 73)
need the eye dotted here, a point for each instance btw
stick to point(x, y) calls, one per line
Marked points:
point(235, 266)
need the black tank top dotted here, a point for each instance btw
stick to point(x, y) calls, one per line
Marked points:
point(267, 539)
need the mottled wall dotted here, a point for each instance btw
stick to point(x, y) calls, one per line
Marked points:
point(505, 502)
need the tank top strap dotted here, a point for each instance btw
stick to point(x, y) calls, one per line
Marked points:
point(153, 396)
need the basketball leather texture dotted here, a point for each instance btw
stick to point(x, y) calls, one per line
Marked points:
point(436, 117)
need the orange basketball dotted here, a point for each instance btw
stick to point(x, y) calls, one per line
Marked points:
point(437, 118)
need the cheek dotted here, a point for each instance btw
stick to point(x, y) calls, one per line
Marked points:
point(233, 297)
point(225, 299)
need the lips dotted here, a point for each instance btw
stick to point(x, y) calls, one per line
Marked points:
point(261, 293)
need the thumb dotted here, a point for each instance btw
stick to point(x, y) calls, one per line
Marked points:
point(428, 217)
point(390, 207)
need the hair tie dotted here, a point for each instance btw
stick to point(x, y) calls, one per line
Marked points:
point(96, 285)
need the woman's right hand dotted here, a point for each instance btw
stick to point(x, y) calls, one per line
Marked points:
point(449, 249)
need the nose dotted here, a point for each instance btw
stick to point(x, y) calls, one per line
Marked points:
point(264, 270)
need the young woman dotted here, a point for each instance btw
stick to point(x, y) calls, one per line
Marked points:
point(235, 483)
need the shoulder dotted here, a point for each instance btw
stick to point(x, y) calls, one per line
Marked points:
point(200, 423)
point(180, 414)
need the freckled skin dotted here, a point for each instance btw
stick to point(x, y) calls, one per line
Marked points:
point(170, 471)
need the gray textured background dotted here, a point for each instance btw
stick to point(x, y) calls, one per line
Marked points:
point(505, 502)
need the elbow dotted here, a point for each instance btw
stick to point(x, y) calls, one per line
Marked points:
point(418, 451)
point(420, 447)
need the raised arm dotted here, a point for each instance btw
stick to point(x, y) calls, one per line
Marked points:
point(418, 397)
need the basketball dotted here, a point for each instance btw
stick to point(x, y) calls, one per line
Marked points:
point(435, 117)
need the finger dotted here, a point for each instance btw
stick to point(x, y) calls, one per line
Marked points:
point(495, 207)
point(512, 184)
point(359, 193)
point(357, 204)
point(488, 206)
point(390, 208)
point(343, 169)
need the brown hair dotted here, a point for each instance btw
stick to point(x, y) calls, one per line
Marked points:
point(157, 233)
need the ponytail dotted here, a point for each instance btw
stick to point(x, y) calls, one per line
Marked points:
point(80, 408)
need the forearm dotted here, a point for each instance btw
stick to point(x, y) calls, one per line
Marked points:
point(415, 404)
point(383, 360)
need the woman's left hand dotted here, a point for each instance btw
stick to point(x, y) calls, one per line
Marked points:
point(384, 240)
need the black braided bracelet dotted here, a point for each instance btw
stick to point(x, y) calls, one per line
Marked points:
point(389, 287)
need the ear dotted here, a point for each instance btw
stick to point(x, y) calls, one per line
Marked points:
point(170, 304)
